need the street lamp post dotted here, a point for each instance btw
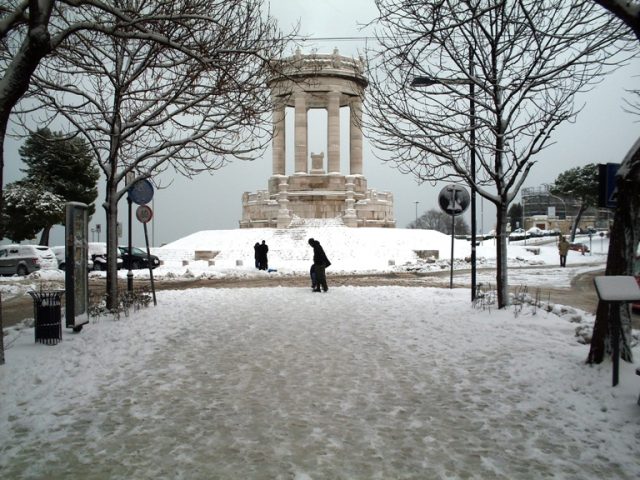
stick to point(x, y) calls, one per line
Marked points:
point(416, 213)
point(427, 81)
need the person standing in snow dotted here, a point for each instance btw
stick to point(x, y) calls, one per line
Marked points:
point(264, 263)
point(256, 254)
point(320, 263)
point(563, 249)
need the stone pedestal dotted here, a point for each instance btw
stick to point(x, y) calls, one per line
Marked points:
point(317, 166)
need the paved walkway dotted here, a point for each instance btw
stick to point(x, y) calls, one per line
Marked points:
point(367, 391)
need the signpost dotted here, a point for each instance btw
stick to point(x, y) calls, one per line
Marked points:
point(616, 290)
point(141, 193)
point(607, 195)
point(453, 200)
point(144, 214)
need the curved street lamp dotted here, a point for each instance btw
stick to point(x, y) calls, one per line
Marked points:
point(428, 81)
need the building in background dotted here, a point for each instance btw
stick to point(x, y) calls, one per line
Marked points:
point(542, 209)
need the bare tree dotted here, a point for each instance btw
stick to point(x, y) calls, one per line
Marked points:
point(144, 106)
point(502, 75)
point(436, 219)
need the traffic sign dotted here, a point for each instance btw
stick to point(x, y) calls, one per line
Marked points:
point(454, 200)
point(141, 192)
point(144, 213)
point(608, 190)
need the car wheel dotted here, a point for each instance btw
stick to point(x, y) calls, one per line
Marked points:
point(135, 265)
point(22, 271)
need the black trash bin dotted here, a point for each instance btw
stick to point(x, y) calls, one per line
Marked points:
point(47, 306)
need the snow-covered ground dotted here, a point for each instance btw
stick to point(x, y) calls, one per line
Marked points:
point(358, 382)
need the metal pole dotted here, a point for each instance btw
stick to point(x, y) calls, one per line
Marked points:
point(523, 217)
point(130, 273)
point(153, 287)
point(453, 236)
point(472, 112)
point(416, 213)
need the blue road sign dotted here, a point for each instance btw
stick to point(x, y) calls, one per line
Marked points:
point(141, 192)
point(607, 185)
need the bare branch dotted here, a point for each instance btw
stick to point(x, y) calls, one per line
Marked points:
point(524, 59)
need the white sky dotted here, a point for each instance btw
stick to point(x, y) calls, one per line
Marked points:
point(602, 133)
point(376, 382)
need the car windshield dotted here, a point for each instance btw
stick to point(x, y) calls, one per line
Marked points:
point(134, 251)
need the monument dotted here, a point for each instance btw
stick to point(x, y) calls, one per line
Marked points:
point(317, 189)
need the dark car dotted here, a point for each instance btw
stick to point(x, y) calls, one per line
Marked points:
point(138, 258)
point(98, 255)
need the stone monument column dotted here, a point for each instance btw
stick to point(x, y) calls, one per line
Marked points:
point(278, 145)
point(333, 132)
point(301, 153)
point(355, 134)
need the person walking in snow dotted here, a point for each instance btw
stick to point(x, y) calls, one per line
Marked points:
point(563, 249)
point(320, 263)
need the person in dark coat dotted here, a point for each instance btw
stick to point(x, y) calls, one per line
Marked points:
point(320, 263)
point(256, 254)
point(312, 274)
point(264, 263)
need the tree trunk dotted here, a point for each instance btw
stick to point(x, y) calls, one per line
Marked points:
point(111, 209)
point(502, 281)
point(623, 246)
point(576, 222)
point(44, 236)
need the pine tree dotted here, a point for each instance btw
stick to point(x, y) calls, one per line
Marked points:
point(28, 209)
point(581, 184)
point(62, 166)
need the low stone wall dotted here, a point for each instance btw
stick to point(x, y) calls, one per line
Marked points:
point(427, 254)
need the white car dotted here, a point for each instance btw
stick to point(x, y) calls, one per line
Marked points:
point(25, 259)
point(60, 256)
point(517, 234)
point(535, 232)
point(98, 254)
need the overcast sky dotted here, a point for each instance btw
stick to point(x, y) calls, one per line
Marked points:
point(602, 133)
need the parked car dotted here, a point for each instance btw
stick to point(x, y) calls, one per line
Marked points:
point(98, 254)
point(535, 232)
point(517, 234)
point(579, 247)
point(25, 259)
point(138, 257)
point(59, 252)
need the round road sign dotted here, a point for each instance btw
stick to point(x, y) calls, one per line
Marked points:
point(141, 192)
point(144, 213)
point(454, 200)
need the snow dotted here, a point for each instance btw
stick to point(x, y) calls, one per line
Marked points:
point(359, 382)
